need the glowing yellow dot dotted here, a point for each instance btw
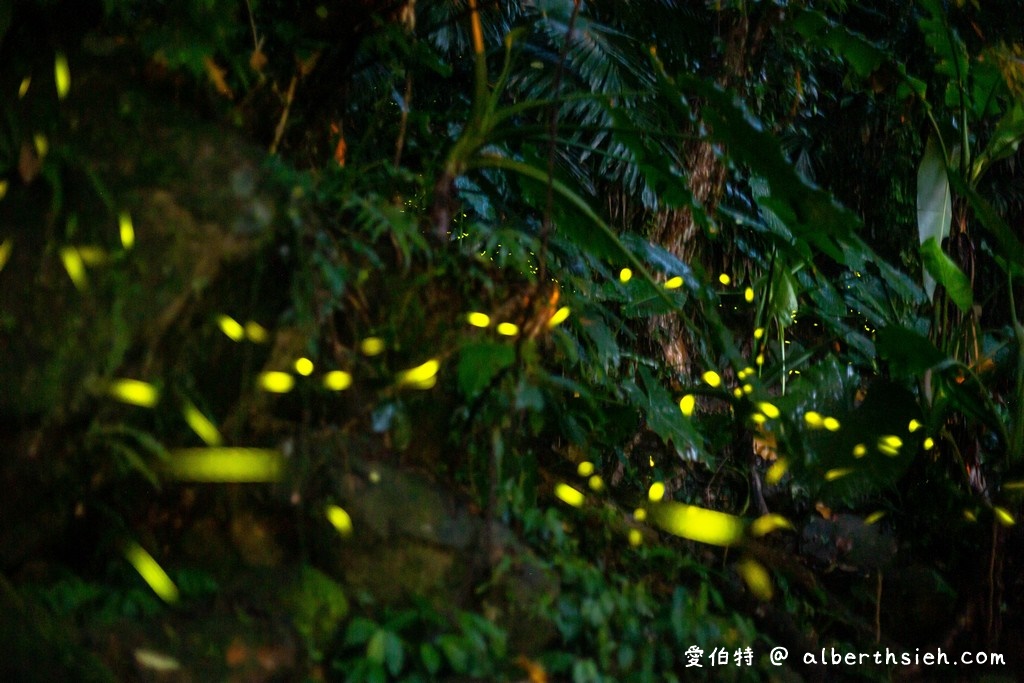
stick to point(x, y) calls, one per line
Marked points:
point(970, 516)
point(478, 319)
point(1004, 517)
point(748, 389)
point(687, 404)
point(769, 409)
point(640, 514)
point(560, 316)
point(758, 418)
point(737, 392)
point(61, 75)
point(339, 519)
point(126, 229)
point(42, 144)
point(372, 346)
point(92, 255)
point(304, 367)
point(814, 419)
point(724, 279)
point(760, 359)
point(929, 443)
point(860, 450)
point(255, 332)
point(201, 425)
point(276, 382)
point(890, 445)
point(5, 251)
point(337, 380)
point(151, 572)
point(748, 295)
point(569, 495)
point(595, 483)
point(422, 376)
point(712, 378)
point(650, 460)
point(874, 517)
point(23, 88)
point(776, 471)
point(134, 392)
point(758, 333)
point(831, 424)
point(656, 492)
point(674, 283)
point(75, 267)
point(585, 468)
point(914, 426)
point(3, 189)
point(508, 329)
point(765, 524)
point(231, 328)
point(838, 473)
point(625, 275)
point(757, 579)
point(635, 537)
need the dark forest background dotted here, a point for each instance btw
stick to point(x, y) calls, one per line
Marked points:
point(510, 341)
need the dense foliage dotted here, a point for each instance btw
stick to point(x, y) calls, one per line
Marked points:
point(545, 340)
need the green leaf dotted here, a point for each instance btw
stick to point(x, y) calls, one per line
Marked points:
point(662, 413)
point(375, 646)
point(1010, 247)
point(948, 274)
point(907, 352)
point(480, 362)
point(784, 302)
point(359, 631)
point(1004, 141)
point(454, 649)
point(431, 658)
point(950, 50)
point(934, 202)
point(602, 241)
point(394, 653)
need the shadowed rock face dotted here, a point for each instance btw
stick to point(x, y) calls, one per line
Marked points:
point(197, 197)
point(202, 209)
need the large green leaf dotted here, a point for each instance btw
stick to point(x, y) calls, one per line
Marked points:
point(950, 50)
point(934, 202)
point(1010, 248)
point(1004, 141)
point(480, 362)
point(948, 274)
point(907, 352)
point(663, 415)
